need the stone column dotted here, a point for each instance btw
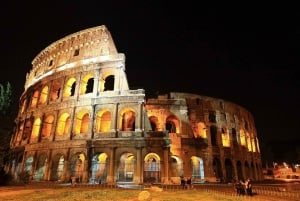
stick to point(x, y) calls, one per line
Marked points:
point(111, 174)
point(165, 176)
point(138, 173)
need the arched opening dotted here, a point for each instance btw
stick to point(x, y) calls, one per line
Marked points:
point(176, 168)
point(36, 128)
point(152, 168)
point(28, 165)
point(34, 99)
point(55, 90)
point(57, 167)
point(70, 87)
point(126, 168)
point(172, 124)
point(99, 168)
point(109, 83)
point(47, 126)
point(127, 120)
point(197, 169)
point(44, 95)
point(242, 138)
point(40, 168)
point(103, 121)
point(154, 123)
point(77, 166)
point(87, 84)
point(63, 125)
point(225, 137)
point(27, 130)
point(82, 122)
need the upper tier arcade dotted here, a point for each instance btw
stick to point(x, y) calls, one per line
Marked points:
point(93, 45)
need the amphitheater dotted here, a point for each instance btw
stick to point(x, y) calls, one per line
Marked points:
point(79, 120)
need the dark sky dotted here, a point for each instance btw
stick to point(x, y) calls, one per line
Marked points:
point(247, 54)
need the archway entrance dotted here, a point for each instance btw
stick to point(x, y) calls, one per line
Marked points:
point(126, 168)
point(197, 169)
point(152, 168)
point(99, 168)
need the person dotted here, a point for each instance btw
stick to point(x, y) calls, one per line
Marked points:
point(189, 183)
point(183, 183)
point(248, 186)
point(239, 188)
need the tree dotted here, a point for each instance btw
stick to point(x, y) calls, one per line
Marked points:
point(5, 98)
point(6, 122)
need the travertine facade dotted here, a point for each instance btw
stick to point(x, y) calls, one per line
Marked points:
point(79, 119)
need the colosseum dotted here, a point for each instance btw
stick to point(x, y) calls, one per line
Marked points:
point(78, 120)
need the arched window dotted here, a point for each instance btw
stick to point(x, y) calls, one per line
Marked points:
point(154, 123)
point(34, 99)
point(225, 137)
point(127, 120)
point(55, 90)
point(103, 121)
point(36, 128)
point(70, 87)
point(82, 122)
point(172, 124)
point(87, 84)
point(63, 124)
point(44, 95)
point(47, 126)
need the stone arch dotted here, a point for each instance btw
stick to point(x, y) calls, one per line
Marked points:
point(225, 137)
point(154, 123)
point(127, 120)
point(197, 168)
point(87, 84)
point(55, 90)
point(107, 81)
point(57, 168)
point(27, 130)
point(176, 167)
point(126, 168)
point(82, 122)
point(70, 86)
point(47, 126)
point(63, 125)
point(34, 99)
point(103, 121)
point(172, 124)
point(28, 164)
point(99, 168)
point(44, 95)
point(36, 128)
point(200, 130)
point(152, 169)
point(77, 166)
point(40, 169)
point(242, 137)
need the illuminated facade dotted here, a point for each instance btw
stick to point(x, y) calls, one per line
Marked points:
point(79, 119)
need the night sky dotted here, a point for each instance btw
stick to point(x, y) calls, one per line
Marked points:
point(247, 54)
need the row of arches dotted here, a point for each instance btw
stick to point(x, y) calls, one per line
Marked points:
point(97, 168)
point(55, 90)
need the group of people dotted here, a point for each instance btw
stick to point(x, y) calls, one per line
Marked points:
point(186, 183)
point(244, 187)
